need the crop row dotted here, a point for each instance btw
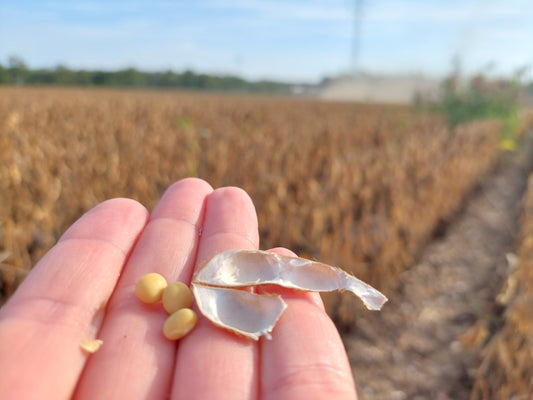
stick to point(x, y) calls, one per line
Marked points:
point(505, 371)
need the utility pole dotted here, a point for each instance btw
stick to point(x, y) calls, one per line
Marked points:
point(356, 43)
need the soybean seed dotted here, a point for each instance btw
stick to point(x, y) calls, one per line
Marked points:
point(179, 324)
point(91, 346)
point(176, 295)
point(149, 288)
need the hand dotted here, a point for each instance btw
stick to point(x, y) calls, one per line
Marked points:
point(83, 288)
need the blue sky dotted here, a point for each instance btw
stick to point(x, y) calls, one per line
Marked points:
point(292, 40)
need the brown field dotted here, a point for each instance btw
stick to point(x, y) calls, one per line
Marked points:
point(358, 186)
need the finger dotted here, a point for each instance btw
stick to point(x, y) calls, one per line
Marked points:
point(214, 363)
point(305, 357)
point(137, 361)
point(62, 300)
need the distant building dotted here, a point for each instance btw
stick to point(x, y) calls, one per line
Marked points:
point(400, 89)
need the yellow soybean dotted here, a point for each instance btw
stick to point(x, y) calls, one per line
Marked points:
point(176, 295)
point(91, 346)
point(149, 288)
point(179, 324)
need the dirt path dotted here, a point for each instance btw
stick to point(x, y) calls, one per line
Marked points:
point(417, 346)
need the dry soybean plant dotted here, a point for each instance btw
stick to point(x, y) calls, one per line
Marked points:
point(354, 185)
point(507, 359)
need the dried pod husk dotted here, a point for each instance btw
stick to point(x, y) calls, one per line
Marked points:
point(241, 268)
point(248, 314)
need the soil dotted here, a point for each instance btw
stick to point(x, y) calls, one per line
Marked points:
point(425, 342)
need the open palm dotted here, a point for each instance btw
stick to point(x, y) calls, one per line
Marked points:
point(84, 288)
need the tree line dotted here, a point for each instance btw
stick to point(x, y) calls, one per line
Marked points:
point(16, 72)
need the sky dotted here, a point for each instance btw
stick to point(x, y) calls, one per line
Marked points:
point(287, 40)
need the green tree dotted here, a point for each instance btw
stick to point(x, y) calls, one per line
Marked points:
point(130, 77)
point(17, 70)
point(4, 78)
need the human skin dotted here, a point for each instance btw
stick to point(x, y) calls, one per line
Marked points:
point(83, 288)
